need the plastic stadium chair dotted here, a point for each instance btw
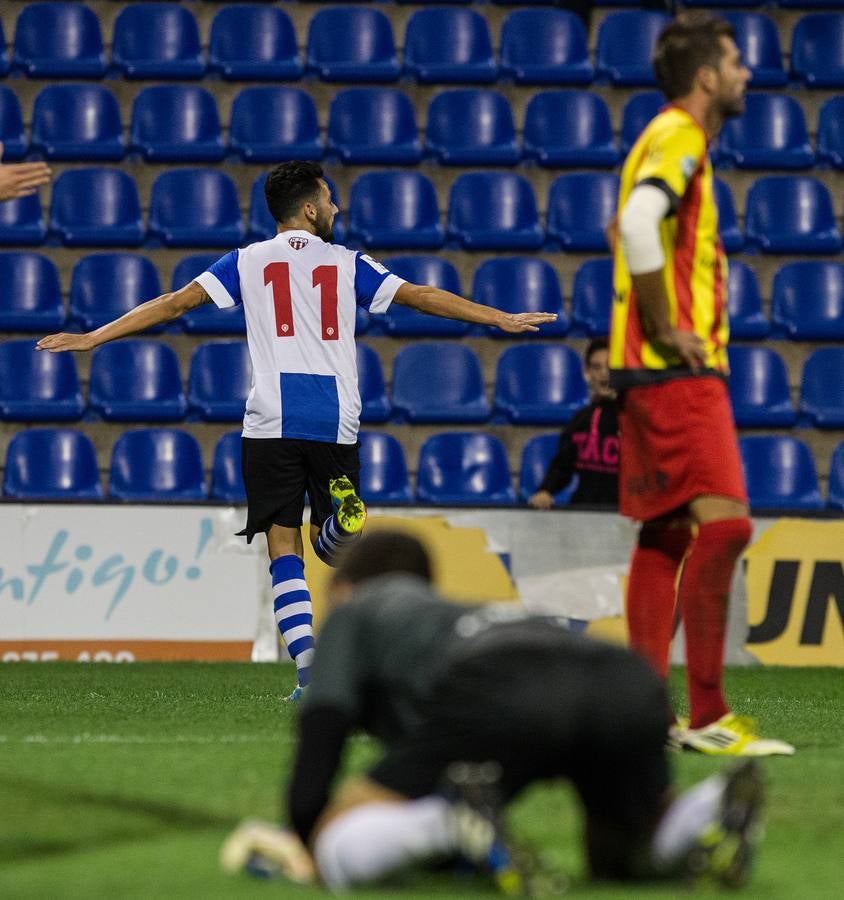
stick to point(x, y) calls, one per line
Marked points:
point(352, 43)
point(771, 134)
point(107, 285)
point(591, 301)
point(831, 132)
point(471, 127)
point(30, 293)
point(195, 208)
point(372, 126)
point(625, 46)
point(545, 46)
point(22, 221)
point(539, 384)
point(96, 208)
point(822, 389)
point(808, 301)
point(747, 321)
point(759, 388)
point(274, 124)
point(51, 464)
point(580, 207)
point(791, 214)
point(4, 59)
point(536, 457)
point(817, 50)
point(58, 40)
point(11, 125)
point(731, 236)
point(375, 407)
point(435, 381)
point(157, 40)
point(77, 121)
point(404, 321)
point(519, 284)
point(226, 474)
point(757, 37)
point(256, 42)
point(219, 381)
point(836, 478)
point(493, 211)
point(383, 469)
point(464, 469)
point(448, 46)
point(569, 128)
point(208, 318)
point(780, 473)
point(176, 123)
point(38, 386)
point(136, 381)
point(638, 111)
point(156, 465)
point(394, 209)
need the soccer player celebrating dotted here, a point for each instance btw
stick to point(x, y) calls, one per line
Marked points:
point(299, 292)
point(680, 469)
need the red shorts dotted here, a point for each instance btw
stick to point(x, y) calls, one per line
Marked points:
point(678, 442)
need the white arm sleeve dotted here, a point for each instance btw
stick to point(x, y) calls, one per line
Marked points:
point(646, 207)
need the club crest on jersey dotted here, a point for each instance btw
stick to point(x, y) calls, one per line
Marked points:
point(297, 243)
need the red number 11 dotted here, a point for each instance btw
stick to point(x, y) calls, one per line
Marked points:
point(277, 274)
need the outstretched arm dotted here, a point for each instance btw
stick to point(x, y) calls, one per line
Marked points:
point(165, 308)
point(437, 302)
point(22, 179)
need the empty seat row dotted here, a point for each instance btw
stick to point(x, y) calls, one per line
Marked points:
point(454, 469)
point(357, 43)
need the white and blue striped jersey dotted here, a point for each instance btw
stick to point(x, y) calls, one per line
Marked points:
point(299, 297)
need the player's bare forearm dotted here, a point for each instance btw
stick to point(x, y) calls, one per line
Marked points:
point(652, 303)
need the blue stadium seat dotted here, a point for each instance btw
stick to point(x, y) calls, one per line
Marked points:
point(4, 58)
point(107, 285)
point(51, 464)
point(591, 300)
point(831, 132)
point(536, 457)
point(471, 127)
point(493, 211)
point(136, 381)
point(208, 318)
point(352, 43)
point(157, 40)
point(625, 45)
point(464, 469)
point(371, 126)
point(822, 389)
point(731, 236)
point(779, 473)
point(383, 469)
point(808, 301)
point(404, 321)
point(747, 321)
point(156, 465)
point(836, 478)
point(580, 207)
point(771, 134)
point(539, 384)
point(176, 123)
point(219, 381)
point(375, 407)
point(817, 50)
point(638, 111)
point(253, 42)
point(77, 121)
point(569, 128)
point(274, 124)
point(759, 388)
point(757, 37)
point(226, 475)
point(22, 221)
point(435, 381)
point(519, 284)
point(11, 125)
point(395, 210)
point(38, 386)
point(545, 46)
point(195, 208)
point(96, 208)
point(58, 40)
point(448, 46)
point(791, 214)
point(30, 293)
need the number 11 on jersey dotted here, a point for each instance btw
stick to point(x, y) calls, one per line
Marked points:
point(277, 274)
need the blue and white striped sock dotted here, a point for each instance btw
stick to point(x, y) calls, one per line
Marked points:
point(332, 539)
point(293, 611)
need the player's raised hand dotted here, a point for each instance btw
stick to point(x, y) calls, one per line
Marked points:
point(516, 323)
point(56, 343)
point(22, 179)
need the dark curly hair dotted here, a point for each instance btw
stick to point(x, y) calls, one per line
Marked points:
point(289, 185)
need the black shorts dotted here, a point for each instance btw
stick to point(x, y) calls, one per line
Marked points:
point(279, 472)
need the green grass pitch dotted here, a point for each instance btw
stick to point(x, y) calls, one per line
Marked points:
point(121, 781)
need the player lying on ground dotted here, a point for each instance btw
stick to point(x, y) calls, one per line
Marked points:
point(512, 698)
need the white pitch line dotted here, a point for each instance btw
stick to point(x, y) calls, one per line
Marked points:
point(79, 739)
